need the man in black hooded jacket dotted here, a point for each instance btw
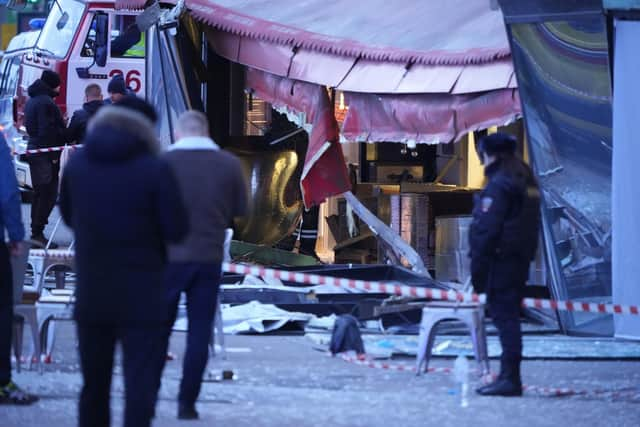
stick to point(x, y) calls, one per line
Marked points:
point(503, 238)
point(46, 128)
point(123, 204)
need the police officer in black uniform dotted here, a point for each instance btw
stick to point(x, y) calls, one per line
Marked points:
point(46, 128)
point(503, 240)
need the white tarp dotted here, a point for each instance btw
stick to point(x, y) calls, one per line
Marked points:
point(257, 317)
point(626, 155)
point(252, 317)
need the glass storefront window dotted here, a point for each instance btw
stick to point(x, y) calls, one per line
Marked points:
point(564, 82)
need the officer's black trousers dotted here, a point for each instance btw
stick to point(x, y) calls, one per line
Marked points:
point(504, 308)
point(44, 199)
point(6, 314)
point(141, 347)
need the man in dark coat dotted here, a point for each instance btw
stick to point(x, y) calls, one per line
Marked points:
point(11, 221)
point(123, 203)
point(503, 239)
point(46, 128)
point(215, 192)
point(78, 124)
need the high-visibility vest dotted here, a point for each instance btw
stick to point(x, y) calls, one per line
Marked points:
point(137, 50)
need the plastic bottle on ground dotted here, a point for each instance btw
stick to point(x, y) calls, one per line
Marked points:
point(461, 373)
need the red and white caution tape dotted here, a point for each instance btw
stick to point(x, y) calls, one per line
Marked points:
point(544, 391)
point(393, 288)
point(401, 367)
point(589, 307)
point(46, 150)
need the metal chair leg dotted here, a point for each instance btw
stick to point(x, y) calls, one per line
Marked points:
point(53, 233)
point(217, 330)
point(18, 330)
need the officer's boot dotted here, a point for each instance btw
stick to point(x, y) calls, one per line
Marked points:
point(508, 382)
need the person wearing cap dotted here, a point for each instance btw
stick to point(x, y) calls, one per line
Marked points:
point(503, 240)
point(46, 128)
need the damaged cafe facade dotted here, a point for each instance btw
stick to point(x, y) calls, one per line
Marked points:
point(372, 115)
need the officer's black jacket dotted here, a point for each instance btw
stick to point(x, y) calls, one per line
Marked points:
point(42, 117)
point(46, 128)
point(504, 233)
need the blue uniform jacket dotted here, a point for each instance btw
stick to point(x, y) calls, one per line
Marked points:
point(10, 215)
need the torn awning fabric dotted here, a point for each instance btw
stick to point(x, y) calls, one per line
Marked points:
point(421, 59)
point(324, 173)
point(428, 71)
point(452, 46)
point(130, 4)
point(423, 32)
point(426, 118)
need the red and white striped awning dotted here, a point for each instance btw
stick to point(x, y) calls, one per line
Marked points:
point(131, 4)
point(411, 46)
point(411, 70)
point(416, 59)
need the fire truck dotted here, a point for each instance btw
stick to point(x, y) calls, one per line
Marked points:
point(82, 41)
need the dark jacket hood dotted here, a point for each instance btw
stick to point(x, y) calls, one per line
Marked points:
point(39, 87)
point(116, 134)
point(92, 107)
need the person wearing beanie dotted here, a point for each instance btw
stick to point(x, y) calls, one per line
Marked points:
point(503, 240)
point(123, 203)
point(117, 89)
point(46, 128)
point(51, 79)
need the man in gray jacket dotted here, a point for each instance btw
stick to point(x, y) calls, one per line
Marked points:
point(214, 192)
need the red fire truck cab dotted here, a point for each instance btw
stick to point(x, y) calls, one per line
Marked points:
point(85, 42)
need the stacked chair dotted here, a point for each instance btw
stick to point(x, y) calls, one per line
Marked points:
point(37, 306)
